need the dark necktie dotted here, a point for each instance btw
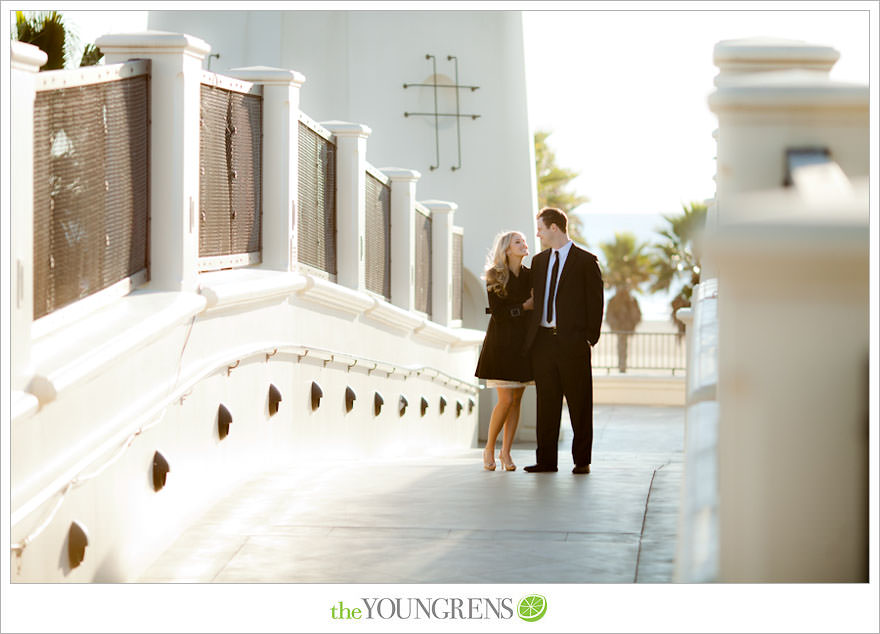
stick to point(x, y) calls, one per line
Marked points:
point(551, 296)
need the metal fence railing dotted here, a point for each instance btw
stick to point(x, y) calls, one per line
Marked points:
point(457, 271)
point(230, 172)
point(644, 352)
point(91, 182)
point(424, 268)
point(316, 199)
point(377, 233)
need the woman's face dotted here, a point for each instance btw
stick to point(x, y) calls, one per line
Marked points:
point(518, 246)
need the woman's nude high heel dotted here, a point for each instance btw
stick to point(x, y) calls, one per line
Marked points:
point(488, 466)
point(507, 466)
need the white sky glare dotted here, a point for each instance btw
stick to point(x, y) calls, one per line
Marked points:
point(624, 92)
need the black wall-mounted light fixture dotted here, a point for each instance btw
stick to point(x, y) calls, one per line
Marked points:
point(317, 393)
point(401, 405)
point(77, 540)
point(350, 398)
point(424, 406)
point(442, 405)
point(378, 402)
point(470, 405)
point(274, 399)
point(160, 470)
point(458, 408)
point(224, 419)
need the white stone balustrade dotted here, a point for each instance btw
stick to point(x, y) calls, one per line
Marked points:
point(175, 81)
point(787, 436)
point(111, 384)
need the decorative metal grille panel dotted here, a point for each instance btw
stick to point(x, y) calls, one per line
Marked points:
point(378, 236)
point(91, 189)
point(457, 254)
point(424, 269)
point(230, 168)
point(316, 214)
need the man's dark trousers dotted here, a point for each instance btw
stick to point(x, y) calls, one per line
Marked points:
point(562, 368)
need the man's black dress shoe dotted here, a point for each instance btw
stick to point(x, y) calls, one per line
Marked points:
point(540, 468)
point(584, 468)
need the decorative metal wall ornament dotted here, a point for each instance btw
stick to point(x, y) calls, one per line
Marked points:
point(160, 471)
point(274, 399)
point(436, 114)
point(224, 419)
point(77, 540)
point(316, 394)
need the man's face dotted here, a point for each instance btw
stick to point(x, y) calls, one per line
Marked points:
point(544, 234)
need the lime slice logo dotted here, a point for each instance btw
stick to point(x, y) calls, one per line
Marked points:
point(532, 607)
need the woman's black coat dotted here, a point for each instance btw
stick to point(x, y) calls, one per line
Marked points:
point(502, 357)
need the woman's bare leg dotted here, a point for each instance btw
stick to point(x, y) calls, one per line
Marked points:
point(511, 423)
point(499, 416)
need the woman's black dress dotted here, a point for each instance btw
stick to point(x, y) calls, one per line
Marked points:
point(502, 357)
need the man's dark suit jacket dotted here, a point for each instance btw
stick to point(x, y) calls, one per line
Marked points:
point(580, 299)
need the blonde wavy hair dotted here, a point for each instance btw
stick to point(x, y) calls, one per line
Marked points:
point(497, 269)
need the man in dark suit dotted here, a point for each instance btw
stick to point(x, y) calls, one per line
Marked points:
point(569, 302)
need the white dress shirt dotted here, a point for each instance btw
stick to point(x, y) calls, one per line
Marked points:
point(563, 254)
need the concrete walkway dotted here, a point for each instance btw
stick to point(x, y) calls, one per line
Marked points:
point(446, 520)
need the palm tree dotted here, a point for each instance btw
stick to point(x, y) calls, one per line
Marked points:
point(552, 183)
point(627, 267)
point(48, 32)
point(676, 258)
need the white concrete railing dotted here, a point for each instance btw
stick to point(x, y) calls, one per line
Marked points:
point(96, 396)
point(776, 455)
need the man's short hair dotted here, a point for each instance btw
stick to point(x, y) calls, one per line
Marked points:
point(554, 216)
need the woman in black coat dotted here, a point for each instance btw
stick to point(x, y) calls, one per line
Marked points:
point(501, 363)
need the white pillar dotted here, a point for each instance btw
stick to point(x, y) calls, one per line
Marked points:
point(351, 165)
point(793, 389)
point(174, 148)
point(25, 62)
point(442, 213)
point(403, 245)
point(281, 90)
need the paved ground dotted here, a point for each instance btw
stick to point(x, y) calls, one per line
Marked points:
point(446, 520)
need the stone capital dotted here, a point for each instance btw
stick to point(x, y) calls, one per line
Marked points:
point(400, 174)
point(26, 57)
point(152, 43)
point(440, 206)
point(347, 129)
point(268, 76)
